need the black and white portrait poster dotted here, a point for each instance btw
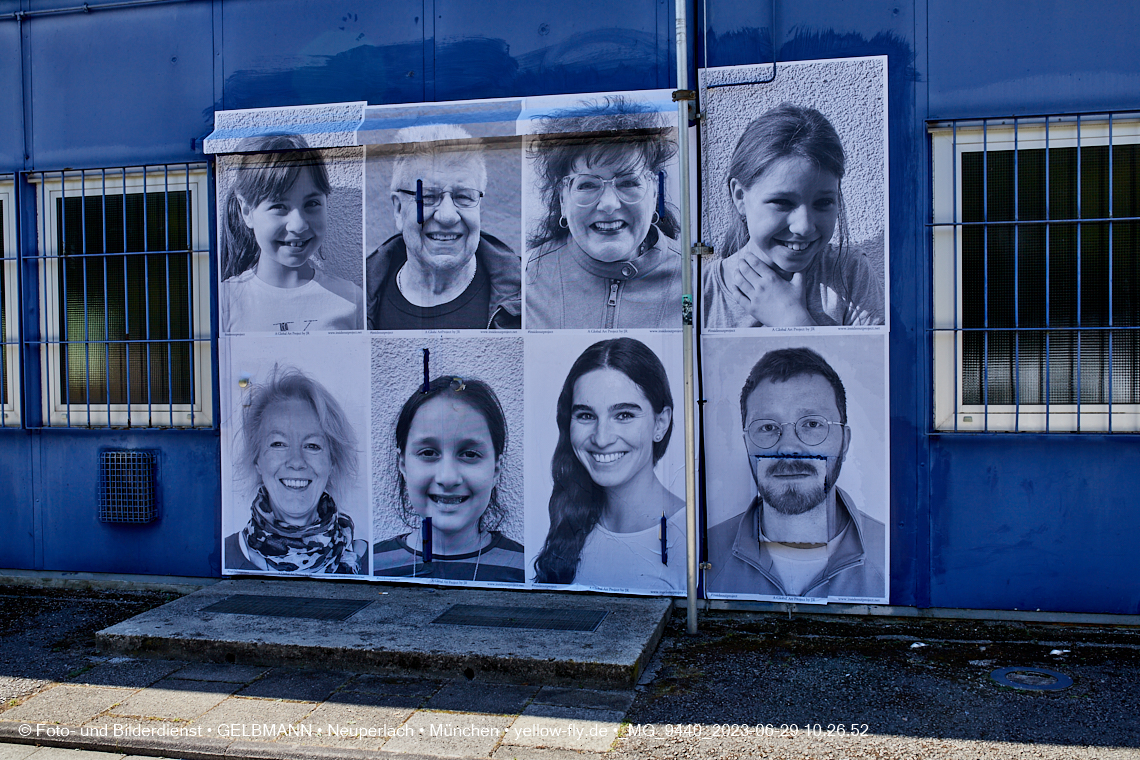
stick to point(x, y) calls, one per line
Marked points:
point(797, 467)
point(600, 203)
point(443, 230)
point(496, 398)
point(795, 195)
point(289, 237)
point(605, 465)
point(447, 458)
point(295, 432)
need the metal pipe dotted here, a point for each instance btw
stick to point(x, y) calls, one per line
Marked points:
point(20, 16)
point(687, 315)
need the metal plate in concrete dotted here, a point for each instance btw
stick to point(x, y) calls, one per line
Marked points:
point(395, 634)
point(289, 606)
point(535, 618)
point(1032, 679)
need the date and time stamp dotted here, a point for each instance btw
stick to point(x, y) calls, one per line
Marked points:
point(746, 730)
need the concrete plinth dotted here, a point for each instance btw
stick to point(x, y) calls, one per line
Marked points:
point(395, 634)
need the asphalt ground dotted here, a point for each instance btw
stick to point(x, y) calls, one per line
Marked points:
point(746, 686)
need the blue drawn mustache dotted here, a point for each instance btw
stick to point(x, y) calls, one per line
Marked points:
point(795, 465)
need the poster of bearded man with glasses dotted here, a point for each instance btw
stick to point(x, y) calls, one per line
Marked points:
point(797, 461)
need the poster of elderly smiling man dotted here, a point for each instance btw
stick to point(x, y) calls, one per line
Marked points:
point(442, 229)
point(797, 468)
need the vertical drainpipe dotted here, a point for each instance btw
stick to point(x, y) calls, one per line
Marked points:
point(683, 105)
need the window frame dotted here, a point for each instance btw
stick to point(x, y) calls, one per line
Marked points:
point(950, 140)
point(50, 188)
point(10, 416)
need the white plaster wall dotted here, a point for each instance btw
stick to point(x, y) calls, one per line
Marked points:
point(851, 93)
point(342, 250)
point(328, 125)
point(397, 373)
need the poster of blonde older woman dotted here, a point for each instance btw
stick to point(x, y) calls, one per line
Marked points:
point(296, 501)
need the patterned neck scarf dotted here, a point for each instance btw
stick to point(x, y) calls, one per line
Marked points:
point(322, 547)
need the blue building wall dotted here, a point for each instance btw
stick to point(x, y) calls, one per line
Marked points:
point(982, 521)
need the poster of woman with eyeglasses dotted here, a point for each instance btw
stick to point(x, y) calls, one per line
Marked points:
point(600, 194)
point(442, 225)
point(797, 468)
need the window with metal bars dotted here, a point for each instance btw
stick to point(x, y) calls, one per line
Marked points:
point(9, 332)
point(124, 297)
point(1036, 233)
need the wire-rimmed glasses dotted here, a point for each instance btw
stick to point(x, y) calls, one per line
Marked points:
point(812, 430)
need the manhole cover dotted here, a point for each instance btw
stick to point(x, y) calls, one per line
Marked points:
point(289, 606)
point(541, 618)
point(1033, 679)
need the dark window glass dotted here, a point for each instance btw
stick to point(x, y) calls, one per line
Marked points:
point(125, 298)
point(1027, 286)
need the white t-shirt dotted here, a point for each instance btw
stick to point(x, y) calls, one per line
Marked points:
point(800, 569)
point(249, 304)
point(633, 560)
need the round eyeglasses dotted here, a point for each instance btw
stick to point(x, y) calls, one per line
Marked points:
point(811, 430)
point(462, 197)
point(587, 189)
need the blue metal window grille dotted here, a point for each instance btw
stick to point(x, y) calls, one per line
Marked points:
point(124, 297)
point(1037, 274)
point(126, 487)
point(9, 332)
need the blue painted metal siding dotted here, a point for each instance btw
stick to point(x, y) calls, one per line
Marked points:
point(1020, 521)
point(11, 101)
point(299, 52)
point(997, 58)
point(120, 87)
point(182, 541)
point(17, 502)
point(1036, 523)
point(995, 521)
point(140, 85)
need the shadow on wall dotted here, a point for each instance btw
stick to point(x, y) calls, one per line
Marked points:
point(375, 73)
point(471, 67)
point(754, 45)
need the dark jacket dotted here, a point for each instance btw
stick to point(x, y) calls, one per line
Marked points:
point(742, 566)
point(235, 557)
point(502, 265)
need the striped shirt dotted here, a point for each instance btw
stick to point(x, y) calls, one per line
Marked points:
point(501, 560)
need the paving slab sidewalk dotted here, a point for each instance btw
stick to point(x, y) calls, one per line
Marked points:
point(204, 710)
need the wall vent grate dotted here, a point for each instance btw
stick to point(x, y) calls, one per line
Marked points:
point(126, 488)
